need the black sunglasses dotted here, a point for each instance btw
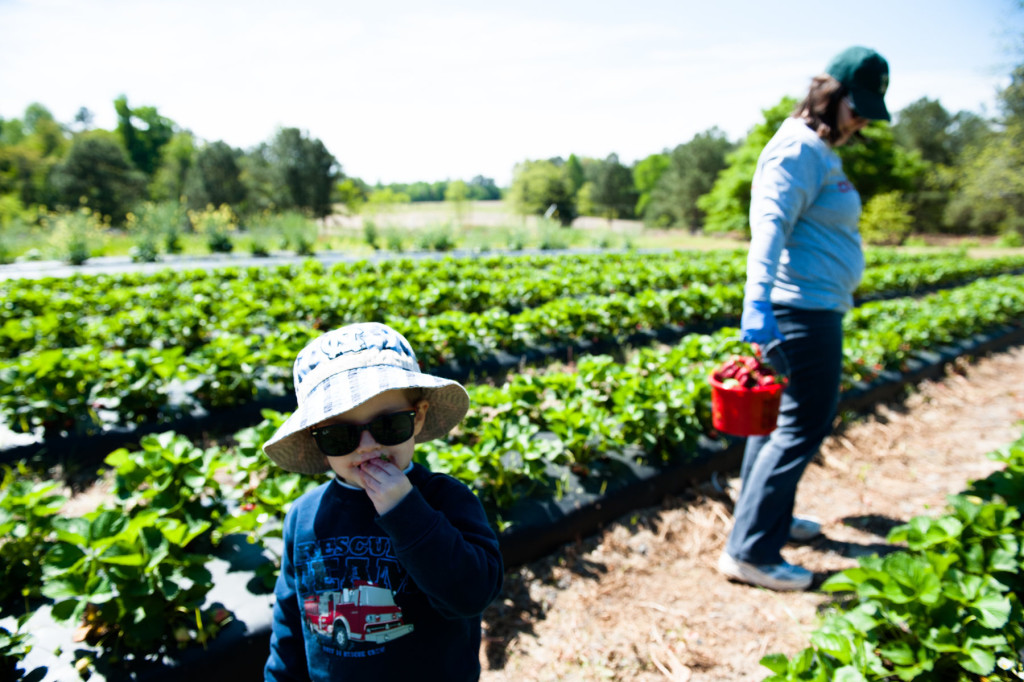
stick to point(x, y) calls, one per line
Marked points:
point(336, 440)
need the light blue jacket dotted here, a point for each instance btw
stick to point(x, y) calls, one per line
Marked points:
point(805, 249)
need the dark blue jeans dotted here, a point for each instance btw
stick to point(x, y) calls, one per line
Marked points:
point(773, 465)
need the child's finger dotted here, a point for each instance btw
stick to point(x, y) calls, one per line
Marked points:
point(359, 458)
point(379, 469)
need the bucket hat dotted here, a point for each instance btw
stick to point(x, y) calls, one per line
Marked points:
point(865, 73)
point(344, 368)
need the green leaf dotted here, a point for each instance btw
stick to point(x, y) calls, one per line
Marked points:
point(777, 663)
point(900, 653)
point(60, 589)
point(64, 610)
point(941, 639)
point(834, 645)
point(977, 661)
point(106, 526)
point(913, 579)
point(848, 674)
point(73, 530)
point(62, 557)
point(121, 556)
point(862, 618)
point(992, 610)
point(117, 458)
point(844, 581)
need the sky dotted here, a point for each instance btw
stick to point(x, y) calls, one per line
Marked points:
point(403, 91)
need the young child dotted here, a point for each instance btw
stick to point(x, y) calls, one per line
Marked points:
point(387, 567)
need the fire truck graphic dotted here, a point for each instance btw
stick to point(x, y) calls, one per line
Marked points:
point(365, 612)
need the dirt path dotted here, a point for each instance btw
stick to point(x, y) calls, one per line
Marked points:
point(643, 600)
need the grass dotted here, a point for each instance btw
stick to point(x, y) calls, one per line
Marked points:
point(483, 226)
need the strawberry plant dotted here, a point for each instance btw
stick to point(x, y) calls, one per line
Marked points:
point(170, 474)
point(27, 512)
point(14, 646)
point(946, 608)
point(132, 574)
point(130, 582)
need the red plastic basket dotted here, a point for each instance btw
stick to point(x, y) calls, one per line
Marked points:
point(745, 411)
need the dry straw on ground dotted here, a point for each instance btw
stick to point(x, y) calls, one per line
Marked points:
point(642, 600)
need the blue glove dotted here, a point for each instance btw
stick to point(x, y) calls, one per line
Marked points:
point(758, 323)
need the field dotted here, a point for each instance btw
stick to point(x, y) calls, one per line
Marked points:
point(642, 600)
point(581, 367)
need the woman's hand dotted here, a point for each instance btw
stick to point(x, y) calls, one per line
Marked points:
point(758, 323)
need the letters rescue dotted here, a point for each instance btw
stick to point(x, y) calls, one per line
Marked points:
point(348, 587)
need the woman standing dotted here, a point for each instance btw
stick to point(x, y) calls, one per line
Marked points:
point(805, 262)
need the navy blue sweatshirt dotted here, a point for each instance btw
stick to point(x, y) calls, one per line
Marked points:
point(398, 596)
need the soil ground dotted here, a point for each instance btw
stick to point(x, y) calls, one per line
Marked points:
point(642, 599)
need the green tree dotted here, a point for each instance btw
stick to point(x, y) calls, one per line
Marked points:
point(613, 193)
point(483, 189)
point(886, 219)
point(215, 178)
point(646, 174)
point(874, 164)
point(383, 200)
point(303, 171)
point(30, 147)
point(877, 164)
point(144, 133)
point(43, 132)
point(540, 186)
point(177, 159)
point(98, 174)
point(351, 193)
point(84, 118)
point(691, 173)
point(417, 191)
point(574, 171)
point(990, 196)
point(727, 205)
point(457, 194)
point(941, 139)
point(925, 126)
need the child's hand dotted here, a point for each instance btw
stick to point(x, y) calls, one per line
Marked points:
point(385, 483)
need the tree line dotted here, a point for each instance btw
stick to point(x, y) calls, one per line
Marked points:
point(46, 165)
point(930, 170)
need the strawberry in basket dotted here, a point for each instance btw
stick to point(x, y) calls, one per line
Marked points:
point(745, 371)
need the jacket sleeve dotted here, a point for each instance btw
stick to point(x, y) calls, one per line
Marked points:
point(287, 661)
point(786, 183)
point(442, 537)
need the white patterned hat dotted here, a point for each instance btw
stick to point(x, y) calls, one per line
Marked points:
point(344, 368)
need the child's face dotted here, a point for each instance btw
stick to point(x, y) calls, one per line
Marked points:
point(348, 466)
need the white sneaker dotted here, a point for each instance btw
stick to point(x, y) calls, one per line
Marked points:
point(803, 529)
point(781, 576)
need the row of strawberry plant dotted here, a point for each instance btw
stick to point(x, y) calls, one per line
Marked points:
point(189, 311)
point(73, 390)
point(144, 553)
point(948, 607)
point(87, 295)
point(660, 397)
point(658, 400)
point(66, 390)
point(239, 299)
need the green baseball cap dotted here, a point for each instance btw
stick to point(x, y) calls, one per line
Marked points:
point(865, 73)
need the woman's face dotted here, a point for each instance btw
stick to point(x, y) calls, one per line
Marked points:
point(848, 122)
